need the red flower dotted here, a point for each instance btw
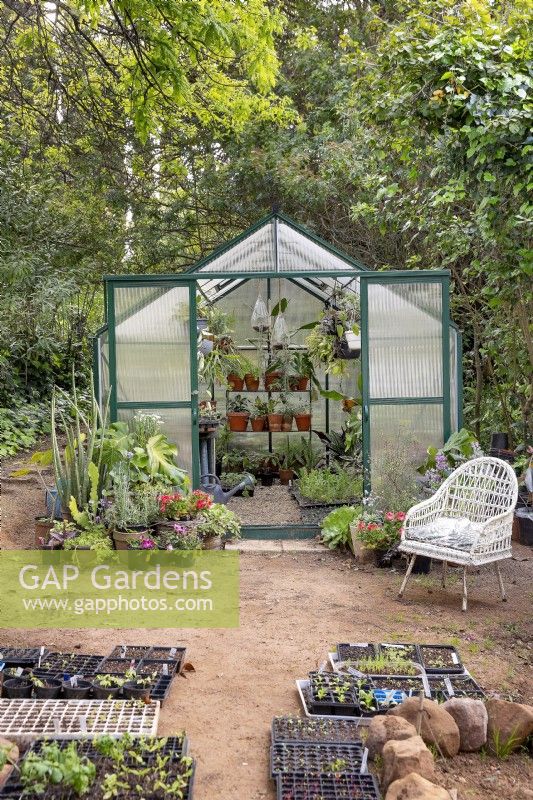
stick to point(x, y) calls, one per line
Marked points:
point(389, 516)
point(400, 516)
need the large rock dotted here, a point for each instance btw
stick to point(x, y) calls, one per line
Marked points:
point(438, 726)
point(471, 718)
point(382, 729)
point(415, 787)
point(12, 752)
point(509, 724)
point(405, 756)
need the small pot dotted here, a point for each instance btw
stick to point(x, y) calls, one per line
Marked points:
point(303, 421)
point(342, 351)
point(42, 530)
point(122, 539)
point(525, 521)
point(238, 421)
point(422, 566)
point(267, 478)
point(271, 378)
point(252, 383)
point(286, 424)
point(102, 694)
point(303, 383)
point(235, 383)
point(16, 687)
point(274, 422)
point(286, 476)
point(258, 424)
point(293, 384)
point(499, 441)
point(134, 692)
point(79, 692)
point(51, 690)
point(212, 543)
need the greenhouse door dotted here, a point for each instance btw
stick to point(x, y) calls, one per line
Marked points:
point(152, 358)
point(405, 351)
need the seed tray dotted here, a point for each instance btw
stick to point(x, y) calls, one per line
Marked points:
point(167, 654)
point(330, 704)
point(355, 651)
point(449, 654)
point(21, 656)
point(147, 667)
point(302, 729)
point(70, 664)
point(440, 688)
point(305, 502)
point(410, 684)
point(299, 786)
point(130, 651)
point(315, 759)
point(465, 686)
point(161, 689)
point(118, 666)
point(74, 719)
point(405, 650)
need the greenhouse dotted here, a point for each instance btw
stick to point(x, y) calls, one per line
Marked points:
point(278, 352)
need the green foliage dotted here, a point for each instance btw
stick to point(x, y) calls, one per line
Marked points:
point(328, 486)
point(461, 446)
point(336, 526)
point(97, 539)
point(21, 426)
point(54, 766)
point(218, 520)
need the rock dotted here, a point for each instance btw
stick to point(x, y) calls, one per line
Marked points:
point(405, 756)
point(12, 752)
point(415, 787)
point(523, 793)
point(383, 729)
point(471, 718)
point(438, 726)
point(509, 724)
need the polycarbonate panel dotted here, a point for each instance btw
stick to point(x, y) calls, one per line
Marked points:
point(454, 375)
point(297, 253)
point(253, 253)
point(176, 424)
point(405, 340)
point(402, 433)
point(152, 344)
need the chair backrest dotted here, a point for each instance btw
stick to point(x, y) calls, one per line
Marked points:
point(480, 489)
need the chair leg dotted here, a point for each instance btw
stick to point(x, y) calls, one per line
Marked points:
point(465, 595)
point(407, 574)
point(500, 581)
point(444, 570)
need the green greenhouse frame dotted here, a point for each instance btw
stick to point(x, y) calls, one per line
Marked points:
point(411, 352)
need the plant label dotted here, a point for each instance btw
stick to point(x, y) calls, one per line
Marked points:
point(18, 672)
point(123, 651)
point(454, 658)
point(57, 724)
point(165, 669)
point(173, 651)
point(2, 664)
point(82, 719)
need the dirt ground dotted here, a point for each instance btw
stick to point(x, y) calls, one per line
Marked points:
point(294, 607)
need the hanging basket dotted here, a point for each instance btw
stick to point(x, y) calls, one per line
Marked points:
point(260, 318)
point(343, 351)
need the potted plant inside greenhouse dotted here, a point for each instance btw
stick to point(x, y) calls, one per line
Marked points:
point(238, 413)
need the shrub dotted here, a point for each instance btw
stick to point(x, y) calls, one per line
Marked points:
point(328, 486)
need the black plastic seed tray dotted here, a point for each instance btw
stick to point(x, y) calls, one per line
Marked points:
point(161, 689)
point(356, 651)
point(440, 688)
point(315, 759)
point(70, 664)
point(148, 667)
point(450, 661)
point(465, 687)
point(118, 666)
point(300, 786)
point(167, 654)
point(303, 729)
point(21, 656)
point(130, 651)
point(333, 695)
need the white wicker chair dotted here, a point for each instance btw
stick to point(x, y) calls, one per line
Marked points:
point(467, 522)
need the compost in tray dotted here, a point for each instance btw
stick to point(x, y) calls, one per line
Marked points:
point(315, 759)
point(440, 659)
point(326, 787)
point(302, 729)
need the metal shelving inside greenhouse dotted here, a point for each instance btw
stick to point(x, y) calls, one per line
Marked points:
point(408, 379)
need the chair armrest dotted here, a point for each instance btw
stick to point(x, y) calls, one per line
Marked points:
point(424, 512)
point(497, 524)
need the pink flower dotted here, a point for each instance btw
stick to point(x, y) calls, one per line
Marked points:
point(372, 526)
point(361, 525)
point(147, 544)
point(400, 516)
point(389, 516)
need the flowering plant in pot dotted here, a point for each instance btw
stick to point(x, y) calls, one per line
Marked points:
point(238, 413)
point(184, 507)
point(179, 537)
point(378, 535)
point(218, 524)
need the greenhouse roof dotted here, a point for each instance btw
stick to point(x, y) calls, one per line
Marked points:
point(276, 244)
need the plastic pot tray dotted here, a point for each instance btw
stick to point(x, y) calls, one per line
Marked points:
point(316, 759)
point(76, 719)
point(456, 668)
point(303, 687)
point(304, 502)
point(21, 656)
point(59, 664)
point(302, 729)
point(299, 786)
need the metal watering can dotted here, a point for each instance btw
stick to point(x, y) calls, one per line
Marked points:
point(211, 484)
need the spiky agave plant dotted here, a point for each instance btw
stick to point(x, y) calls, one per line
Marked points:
point(85, 434)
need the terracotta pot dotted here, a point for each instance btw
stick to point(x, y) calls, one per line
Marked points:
point(293, 384)
point(238, 421)
point(274, 422)
point(42, 530)
point(348, 403)
point(258, 424)
point(212, 543)
point(270, 379)
point(122, 539)
point(286, 424)
point(303, 383)
point(235, 383)
point(252, 384)
point(303, 421)
point(285, 476)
